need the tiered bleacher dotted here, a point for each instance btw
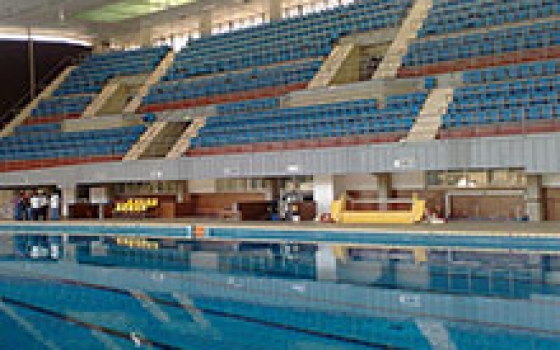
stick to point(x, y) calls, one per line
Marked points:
point(37, 149)
point(326, 125)
point(481, 34)
point(41, 141)
point(293, 47)
point(506, 100)
point(80, 88)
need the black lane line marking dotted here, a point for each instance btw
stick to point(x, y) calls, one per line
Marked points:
point(248, 319)
point(87, 325)
point(508, 327)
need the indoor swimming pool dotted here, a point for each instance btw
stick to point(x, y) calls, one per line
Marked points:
point(60, 291)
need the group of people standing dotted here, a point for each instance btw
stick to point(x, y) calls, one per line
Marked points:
point(37, 206)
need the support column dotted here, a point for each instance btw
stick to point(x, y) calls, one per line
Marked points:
point(384, 188)
point(181, 190)
point(68, 197)
point(205, 23)
point(325, 262)
point(534, 198)
point(323, 193)
point(274, 10)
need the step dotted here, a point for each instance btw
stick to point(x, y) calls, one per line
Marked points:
point(100, 100)
point(154, 78)
point(389, 66)
point(429, 120)
point(184, 142)
point(334, 66)
point(140, 147)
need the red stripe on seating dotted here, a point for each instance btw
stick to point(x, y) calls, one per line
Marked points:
point(227, 98)
point(518, 57)
point(20, 165)
point(296, 145)
point(50, 119)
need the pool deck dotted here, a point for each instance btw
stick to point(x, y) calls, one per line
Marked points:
point(463, 228)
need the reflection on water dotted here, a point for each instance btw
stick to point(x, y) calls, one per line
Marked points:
point(70, 292)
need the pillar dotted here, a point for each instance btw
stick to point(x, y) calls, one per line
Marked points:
point(534, 198)
point(68, 197)
point(325, 262)
point(384, 188)
point(323, 193)
point(205, 23)
point(274, 10)
point(181, 190)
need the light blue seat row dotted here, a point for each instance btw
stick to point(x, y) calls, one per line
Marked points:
point(257, 78)
point(455, 16)
point(93, 72)
point(62, 105)
point(493, 42)
point(114, 141)
point(38, 128)
point(512, 72)
point(350, 118)
point(248, 106)
point(285, 40)
point(505, 102)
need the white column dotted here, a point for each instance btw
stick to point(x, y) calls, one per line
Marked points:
point(205, 23)
point(323, 193)
point(325, 262)
point(69, 195)
point(384, 188)
point(181, 190)
point(274, 9)
point(534, 198)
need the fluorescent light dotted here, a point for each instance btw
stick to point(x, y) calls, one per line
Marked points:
point(44, 38)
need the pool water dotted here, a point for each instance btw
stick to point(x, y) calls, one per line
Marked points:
point(103, 292)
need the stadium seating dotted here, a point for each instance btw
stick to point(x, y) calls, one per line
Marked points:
point(26, 151)
point(258, 78)
point(505, 100)
point(265, 61)
point(96, 70)
point(495, 47)
point(283, 128)
point(82, 85)
point(454, 16)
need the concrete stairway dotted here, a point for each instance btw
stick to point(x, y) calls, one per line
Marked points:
point(140, 147)
point(46, 93)
point(184, 142)
point(155, 77)
point(97, 104)
point(389, 67)
point(428, 122)
point(337, 66)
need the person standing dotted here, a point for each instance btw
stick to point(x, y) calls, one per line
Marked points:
point(26, 207)
point(18, 207)
point(55, 204)
point(44, 202)
point(35, 202)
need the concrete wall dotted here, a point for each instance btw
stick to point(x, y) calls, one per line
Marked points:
point(202, 186)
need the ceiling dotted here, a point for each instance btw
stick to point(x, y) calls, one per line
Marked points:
point(105, 18)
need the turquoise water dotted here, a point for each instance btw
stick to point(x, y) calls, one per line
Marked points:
point(94, 292)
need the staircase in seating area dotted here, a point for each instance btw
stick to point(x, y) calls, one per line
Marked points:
point(46, 93)
point(156, 75)
point(97, 104)
point(390, 64)
point(145, 141)
point(184, 142)
point(428, 122)
point(336, 65)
